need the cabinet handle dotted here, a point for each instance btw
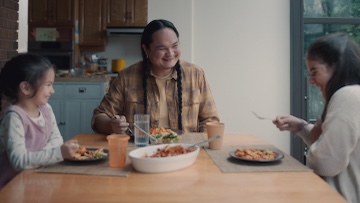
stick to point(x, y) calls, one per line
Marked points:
point(82, 89)
point(62, 123)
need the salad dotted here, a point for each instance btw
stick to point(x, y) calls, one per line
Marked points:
point(165, 136)
point(84, 153)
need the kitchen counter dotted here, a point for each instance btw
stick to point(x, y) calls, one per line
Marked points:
point(102, 78)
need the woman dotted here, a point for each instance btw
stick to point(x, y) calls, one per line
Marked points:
point(333, 62)
point(175, 93)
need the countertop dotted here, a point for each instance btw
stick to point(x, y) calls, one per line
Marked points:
point(100, 78)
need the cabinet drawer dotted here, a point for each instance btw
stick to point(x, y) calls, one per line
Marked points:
point(83, 91)
point(59, 91)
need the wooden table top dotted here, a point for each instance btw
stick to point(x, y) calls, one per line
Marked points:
point(201, 182)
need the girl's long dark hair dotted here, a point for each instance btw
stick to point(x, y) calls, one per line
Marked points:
point(146, 39)
point(30, 68)
point(340, 51)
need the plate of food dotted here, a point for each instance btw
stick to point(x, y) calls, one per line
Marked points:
point(164, 135)
point(86, 154)
point(256, 155)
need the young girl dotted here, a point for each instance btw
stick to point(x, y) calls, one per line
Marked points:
point(29, 135)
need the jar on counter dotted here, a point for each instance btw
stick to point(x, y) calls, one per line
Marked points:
point(118, 65)
point(91, 67)
point(102, 64)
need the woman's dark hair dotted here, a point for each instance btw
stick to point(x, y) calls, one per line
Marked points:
point(146, 39)
point(24, 67)
point(340, 51)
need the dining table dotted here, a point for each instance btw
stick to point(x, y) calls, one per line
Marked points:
point(203, 181)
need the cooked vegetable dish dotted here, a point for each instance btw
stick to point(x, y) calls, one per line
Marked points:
point(164, 135)
point(170, 151)
point(255, 154)
point(85, 154)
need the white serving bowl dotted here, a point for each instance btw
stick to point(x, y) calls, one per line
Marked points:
point(161, 164)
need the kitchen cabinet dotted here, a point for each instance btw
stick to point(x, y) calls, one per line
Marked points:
point(127, 13)
point(51, 13)
point(73, 104)
point(92, 23)
point(59, 14)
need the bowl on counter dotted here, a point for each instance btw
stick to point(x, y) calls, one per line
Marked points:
point(77, 72)
point(62, 73)
point(144, 164)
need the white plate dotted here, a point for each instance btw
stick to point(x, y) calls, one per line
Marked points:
point(161, 164)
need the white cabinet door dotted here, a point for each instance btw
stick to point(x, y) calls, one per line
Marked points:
point(72, 118)
point(87, 109)
point(73, 104)
point(56, 106)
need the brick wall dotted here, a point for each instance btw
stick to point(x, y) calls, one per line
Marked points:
point(8, 29)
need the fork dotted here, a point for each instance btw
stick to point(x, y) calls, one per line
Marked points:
point(261, 117)
point(114, 117)
point(208, 140)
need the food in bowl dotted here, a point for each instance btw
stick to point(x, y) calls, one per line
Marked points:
point(144, 164)
point(255, 154)
point(163, 135)
point(170, 151)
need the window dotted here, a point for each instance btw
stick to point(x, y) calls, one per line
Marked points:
point(311, 19)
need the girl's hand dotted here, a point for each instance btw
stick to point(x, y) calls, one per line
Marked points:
point(119, 124)
point(69, 148)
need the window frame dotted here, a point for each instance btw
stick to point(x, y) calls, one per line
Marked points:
point(298, 104)
point(298, 82)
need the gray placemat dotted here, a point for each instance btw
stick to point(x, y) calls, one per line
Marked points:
point(100, 167)
point(228, 164)
point(192, 138)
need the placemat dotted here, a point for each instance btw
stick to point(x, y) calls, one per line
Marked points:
point(228, 164)
point(100, 167)
point(192, 138)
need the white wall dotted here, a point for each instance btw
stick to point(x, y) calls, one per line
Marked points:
point(180, 13)
point(122, 47)
point(243, 46)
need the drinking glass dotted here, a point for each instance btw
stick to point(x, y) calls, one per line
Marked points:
point(143, 121)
